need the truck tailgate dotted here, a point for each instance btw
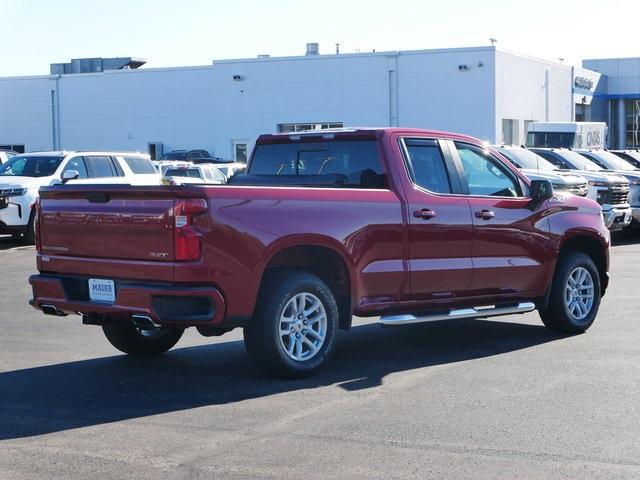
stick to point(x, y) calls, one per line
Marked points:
point(107, 229)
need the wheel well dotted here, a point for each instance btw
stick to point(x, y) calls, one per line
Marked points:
point(323, 262)
point(592, 247)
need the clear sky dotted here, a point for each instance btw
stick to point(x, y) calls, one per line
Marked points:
point(36, 33)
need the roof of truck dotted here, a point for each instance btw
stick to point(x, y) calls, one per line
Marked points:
point(370, 132)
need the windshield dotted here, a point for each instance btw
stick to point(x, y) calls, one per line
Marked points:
point(632, 157)
point(25, 166)
point(183, 172)
point(577, 161)
point(522, 158)
point(609, 161)
point(177, 155)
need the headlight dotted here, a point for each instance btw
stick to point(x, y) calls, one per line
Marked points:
point(13, 192)
point(598, 184)
point(634, 181)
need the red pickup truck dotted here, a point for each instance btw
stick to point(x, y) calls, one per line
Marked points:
point(408, 225)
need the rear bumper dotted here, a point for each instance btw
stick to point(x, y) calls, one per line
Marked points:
point(165, 304)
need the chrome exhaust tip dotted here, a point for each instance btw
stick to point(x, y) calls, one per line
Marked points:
point(52, 310)
point(144, 322)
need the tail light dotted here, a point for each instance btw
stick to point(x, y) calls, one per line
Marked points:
point(37, 225)
point(187, 241)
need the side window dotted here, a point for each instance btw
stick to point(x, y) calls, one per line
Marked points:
point(140, 165)
point(426, 165)
point(77, 164)
point(100, 167)
point(485, 175)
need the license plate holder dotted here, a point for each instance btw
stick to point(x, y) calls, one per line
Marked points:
point(101, 290)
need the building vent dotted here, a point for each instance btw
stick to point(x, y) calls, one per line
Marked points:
point(313, 49)
point(90, 65)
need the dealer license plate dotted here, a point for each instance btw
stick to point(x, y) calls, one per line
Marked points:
point(102, 290)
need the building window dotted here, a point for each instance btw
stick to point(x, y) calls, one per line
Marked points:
point(304, 127)
point(15, 148)
point(240, 151)
point(510, 131)
point(632, 114)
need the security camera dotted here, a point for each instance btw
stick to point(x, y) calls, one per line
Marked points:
point(237, 77)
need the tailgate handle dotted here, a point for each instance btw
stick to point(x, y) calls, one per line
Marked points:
point(97, 197)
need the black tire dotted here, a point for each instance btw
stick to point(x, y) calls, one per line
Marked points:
point(128, 339)
point(557, 316)
point(262, 336)
point(29, 236)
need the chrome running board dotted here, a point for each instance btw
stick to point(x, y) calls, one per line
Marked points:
point(473, 312)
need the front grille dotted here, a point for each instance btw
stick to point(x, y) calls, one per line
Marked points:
point(579, 189)
point(617, 194)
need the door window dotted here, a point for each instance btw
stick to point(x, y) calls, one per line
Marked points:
point(100, 167)
point(485, 175)
point(77, 164)
point(426, 165)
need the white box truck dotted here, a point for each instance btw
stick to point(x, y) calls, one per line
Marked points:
point(567, 135)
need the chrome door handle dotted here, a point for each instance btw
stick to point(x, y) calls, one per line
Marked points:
point(424, 214)
point(485, 214)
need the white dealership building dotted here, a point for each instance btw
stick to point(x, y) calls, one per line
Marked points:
point(112, 104)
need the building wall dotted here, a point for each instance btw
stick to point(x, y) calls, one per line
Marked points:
point(25, 112)
point(522, 93)
point(467, 90)
point(618, 103)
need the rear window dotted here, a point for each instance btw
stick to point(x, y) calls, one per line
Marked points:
point(140, 165)
point(183, 172)
point(357, 163)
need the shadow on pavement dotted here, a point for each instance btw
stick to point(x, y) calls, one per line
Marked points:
point(70, 395)
point(7, 242)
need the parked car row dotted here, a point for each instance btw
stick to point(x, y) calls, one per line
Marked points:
point(611, 178)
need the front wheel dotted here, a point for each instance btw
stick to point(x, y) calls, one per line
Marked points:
point(140, 342)
point(575, 294)
point(293, 332)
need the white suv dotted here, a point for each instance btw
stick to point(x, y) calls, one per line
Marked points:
point(23, 175)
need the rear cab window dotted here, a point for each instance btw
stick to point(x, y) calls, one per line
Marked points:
point(183, 172)
point(352, 163)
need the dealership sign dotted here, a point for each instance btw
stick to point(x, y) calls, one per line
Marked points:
point(583, 83)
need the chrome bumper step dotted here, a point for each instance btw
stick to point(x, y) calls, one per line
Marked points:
point(473, 312)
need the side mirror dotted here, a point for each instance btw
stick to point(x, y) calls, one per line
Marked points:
point(69, 175)
point(541, 190)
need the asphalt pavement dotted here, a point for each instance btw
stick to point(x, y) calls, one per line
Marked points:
point(465, 399)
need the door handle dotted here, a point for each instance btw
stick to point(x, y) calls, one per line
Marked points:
point(424, 214)
point(485, 214)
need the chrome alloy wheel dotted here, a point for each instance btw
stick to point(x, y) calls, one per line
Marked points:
point(303, 326)
point(578, 293)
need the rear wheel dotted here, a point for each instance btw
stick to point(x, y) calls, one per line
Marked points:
point(141, 342)
point(293, 332)
point(575, 294)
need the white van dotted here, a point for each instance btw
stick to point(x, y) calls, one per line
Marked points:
point(22, 176)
